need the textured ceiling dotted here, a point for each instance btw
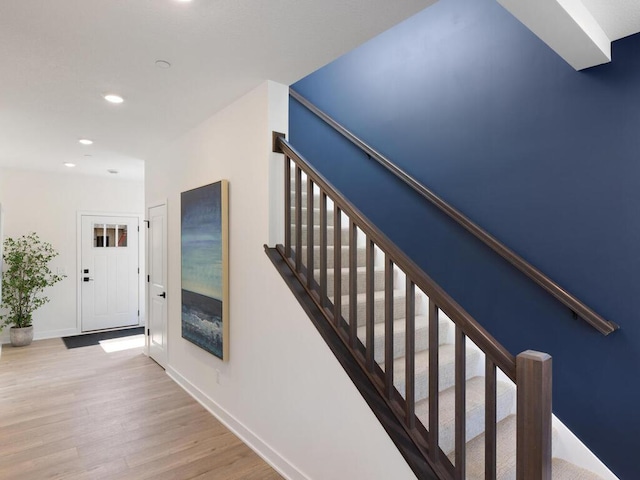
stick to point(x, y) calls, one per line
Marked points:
point(618, 18)
point(57, 59)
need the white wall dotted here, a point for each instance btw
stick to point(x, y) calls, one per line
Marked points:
point(282, 389)
point(48, 204)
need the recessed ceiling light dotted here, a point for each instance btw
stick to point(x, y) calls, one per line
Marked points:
point(85, 141)
point(69, 164)
point(114, 172)
point(162, 64)
point(113, 98)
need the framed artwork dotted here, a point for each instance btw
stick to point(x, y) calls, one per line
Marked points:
point(204, 233)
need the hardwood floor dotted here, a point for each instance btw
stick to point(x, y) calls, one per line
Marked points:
point(87, 414)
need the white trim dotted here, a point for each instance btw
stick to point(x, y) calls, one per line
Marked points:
point(570, 448)
point(54, 334)
point(259, 446)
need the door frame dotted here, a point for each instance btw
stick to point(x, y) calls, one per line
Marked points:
point(147, 296)
point(141, 265)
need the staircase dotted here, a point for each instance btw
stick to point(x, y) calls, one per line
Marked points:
point(449, 384)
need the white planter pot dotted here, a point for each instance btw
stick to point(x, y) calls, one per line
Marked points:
point(21, 337)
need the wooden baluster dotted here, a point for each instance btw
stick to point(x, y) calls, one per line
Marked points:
point(388, 325)
point(461, 411)
point(323, 249)
point(337, 265)
point(287, 207)
point(353, 284)
point(433, 381)
point(298, 219)
point(369, 328)
point(490, 449)
point(309, 233)
point(410, 355)
point(533, 375)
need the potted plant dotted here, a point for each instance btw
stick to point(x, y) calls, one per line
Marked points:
point(26, 274)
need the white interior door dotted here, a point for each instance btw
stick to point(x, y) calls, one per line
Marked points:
point(109, 272)
point(157, 283)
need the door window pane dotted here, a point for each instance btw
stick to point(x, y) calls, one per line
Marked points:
point(109, 235)
point(122, 236)
point(98, 235)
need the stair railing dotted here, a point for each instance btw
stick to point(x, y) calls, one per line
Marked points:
point(530, 371)
point(578, 308)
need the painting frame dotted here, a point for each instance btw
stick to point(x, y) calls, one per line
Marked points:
point(204, 246)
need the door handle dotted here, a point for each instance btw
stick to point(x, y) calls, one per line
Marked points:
point(87, 279)
point(163, 294)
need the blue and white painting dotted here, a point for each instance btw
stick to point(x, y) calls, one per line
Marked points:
point(203, 230)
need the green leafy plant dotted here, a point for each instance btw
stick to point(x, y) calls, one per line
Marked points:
point(26, 275)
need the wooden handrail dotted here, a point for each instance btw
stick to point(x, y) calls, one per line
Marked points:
point(471, 328)
point(577, 307)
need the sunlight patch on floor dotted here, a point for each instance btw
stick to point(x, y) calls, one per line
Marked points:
point(120, 344)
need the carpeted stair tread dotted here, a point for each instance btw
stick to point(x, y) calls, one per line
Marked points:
point(361, 255)
point(361, 279)
point(344, 239)
point(506, 452)
point(316, 195)
point(475, 406)
point(316, 215)
point(446, 369)
point(506, 457)
point(399, 329)
point(563, 470)
point(399, 306)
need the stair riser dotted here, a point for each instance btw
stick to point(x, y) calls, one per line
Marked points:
point(399, 341)
point(361, 281)
point(399, 309)
point(316, 196)
point(474, 420)
point(316, 216)
point(361, 256)
point(446, 377)
point(330, 236)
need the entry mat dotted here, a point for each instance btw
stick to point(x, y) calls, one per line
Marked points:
point(95, 338)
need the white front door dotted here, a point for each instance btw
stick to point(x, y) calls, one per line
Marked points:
point(109, 272)
point(157, 283)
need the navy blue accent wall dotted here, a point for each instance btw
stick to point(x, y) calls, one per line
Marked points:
point(473, 105)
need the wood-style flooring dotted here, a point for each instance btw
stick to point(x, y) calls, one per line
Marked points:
point(87, 414)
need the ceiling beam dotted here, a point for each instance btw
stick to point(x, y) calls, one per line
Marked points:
point(567, 27)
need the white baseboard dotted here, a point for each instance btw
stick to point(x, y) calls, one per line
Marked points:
point(4, 337)
point(55, 334)
point(259, 446)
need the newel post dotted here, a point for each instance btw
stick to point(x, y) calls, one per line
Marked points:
point(533, 374)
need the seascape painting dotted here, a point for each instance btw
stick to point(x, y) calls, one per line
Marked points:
point(204, 246)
